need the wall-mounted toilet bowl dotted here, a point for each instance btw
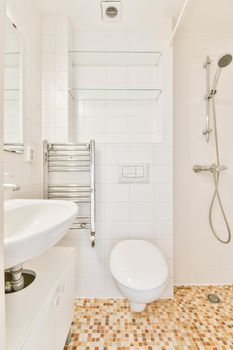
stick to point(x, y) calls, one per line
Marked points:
point(140, 272)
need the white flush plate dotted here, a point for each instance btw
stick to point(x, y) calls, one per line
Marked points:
point(131, 172)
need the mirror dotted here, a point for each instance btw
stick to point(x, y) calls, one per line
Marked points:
point(13, 89)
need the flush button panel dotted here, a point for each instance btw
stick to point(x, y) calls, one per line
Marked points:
point(133, 172)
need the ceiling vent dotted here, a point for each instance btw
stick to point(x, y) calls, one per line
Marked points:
point(111, 11)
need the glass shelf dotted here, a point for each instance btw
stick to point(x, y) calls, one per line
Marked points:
point(12, 53)
point(115, 58)
point(84, 94)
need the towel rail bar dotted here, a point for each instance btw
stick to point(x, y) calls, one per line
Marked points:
point(72, 158)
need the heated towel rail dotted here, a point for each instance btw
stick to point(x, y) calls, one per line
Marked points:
point(69, 174)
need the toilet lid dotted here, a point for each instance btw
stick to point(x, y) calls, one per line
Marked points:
point(138, 264)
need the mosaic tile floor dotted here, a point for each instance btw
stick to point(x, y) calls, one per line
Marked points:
point(188, 322)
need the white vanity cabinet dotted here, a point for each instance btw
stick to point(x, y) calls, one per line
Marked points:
point(65, 307)
point(42, 335)
point(45, 313)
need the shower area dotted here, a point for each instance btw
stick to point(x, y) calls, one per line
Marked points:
point(215, 168)
point(203, 171)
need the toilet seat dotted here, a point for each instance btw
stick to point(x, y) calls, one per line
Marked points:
point(139, 265)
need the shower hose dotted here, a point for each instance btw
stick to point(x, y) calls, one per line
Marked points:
point(216, 195)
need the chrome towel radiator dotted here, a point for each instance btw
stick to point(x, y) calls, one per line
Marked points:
point(69, 174)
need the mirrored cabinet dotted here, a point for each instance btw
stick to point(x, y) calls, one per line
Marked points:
point(13, 89)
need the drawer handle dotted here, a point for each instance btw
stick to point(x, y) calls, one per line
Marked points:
point(55, 300)
point(61, 288)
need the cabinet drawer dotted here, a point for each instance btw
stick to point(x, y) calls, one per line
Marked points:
point(52, 326)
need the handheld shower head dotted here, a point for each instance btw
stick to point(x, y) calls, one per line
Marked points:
point(223, 61)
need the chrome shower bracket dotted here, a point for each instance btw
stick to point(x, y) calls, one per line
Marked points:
point(207, 62)
point(209, 93)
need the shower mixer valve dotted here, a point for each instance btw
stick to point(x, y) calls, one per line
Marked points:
point(213, 168)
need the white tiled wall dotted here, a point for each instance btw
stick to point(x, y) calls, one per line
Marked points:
point(130, 120)
point(125, 211)
point(118, 121)
point(57, 39)
point(28, 175)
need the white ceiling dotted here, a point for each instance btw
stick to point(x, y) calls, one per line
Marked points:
point(211, 16)
point(137, 14)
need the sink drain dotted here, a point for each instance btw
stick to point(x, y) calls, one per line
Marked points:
point(213, 298)
point(28, 276)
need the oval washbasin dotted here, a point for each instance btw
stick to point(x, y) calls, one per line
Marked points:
point(31, 226)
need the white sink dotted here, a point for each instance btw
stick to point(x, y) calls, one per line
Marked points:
point(32, 226)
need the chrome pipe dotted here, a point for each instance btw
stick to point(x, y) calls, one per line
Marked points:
point(81, 191)
point(69, 187)
point(206, 132)
point(69, 196)
point(82, 219)
point(69, 158)
point(69, 163)
point(79, 222)
point(81, 227)
point(71, 147)
point(69, 151)
point(69, 170)
point(17, 279)
point(80, 202)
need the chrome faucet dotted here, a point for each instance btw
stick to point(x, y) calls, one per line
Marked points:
point(12, 187)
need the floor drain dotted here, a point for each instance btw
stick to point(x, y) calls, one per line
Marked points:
point(213, 298)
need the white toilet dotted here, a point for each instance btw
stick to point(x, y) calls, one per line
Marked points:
point(140, 272)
